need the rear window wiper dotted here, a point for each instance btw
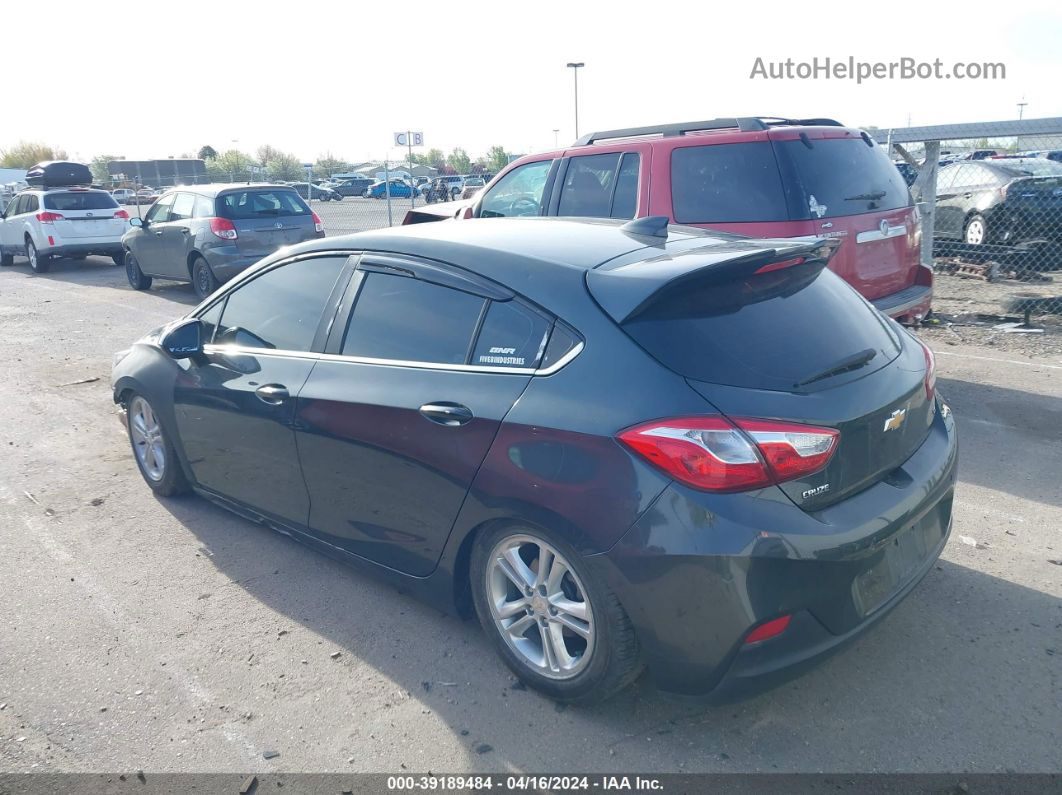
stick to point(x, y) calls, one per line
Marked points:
point(866, 197)
point(853, 362)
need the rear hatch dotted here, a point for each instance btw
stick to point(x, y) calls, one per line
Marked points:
point(819, 181)
point(266, 218)
point(85, 214)
point(791, 343)
point(1035, 205)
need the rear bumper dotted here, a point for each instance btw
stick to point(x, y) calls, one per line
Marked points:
point(107, 249)
point(699, 571)
point(912, 303)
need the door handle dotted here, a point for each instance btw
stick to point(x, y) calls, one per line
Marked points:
point(273, 394)
point(446, 413)
point(158, 234)
point(967, 195)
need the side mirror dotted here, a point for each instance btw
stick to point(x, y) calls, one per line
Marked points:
point(184, 340)
point(136, 221)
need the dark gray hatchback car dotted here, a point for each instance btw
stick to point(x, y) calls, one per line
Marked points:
point(206, 234)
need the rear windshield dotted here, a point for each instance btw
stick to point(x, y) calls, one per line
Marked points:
point(842, 176)
point(1034, 168)
point(769, 331)
point(783, 181)
point(246, 204)
point(79, 201)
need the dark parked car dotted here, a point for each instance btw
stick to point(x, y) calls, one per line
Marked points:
point(1000, 201)
point(438, 403)
point(307, 190)
point(206, 234)
point(352, 187)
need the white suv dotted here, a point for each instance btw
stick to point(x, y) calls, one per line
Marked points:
point(61, 222)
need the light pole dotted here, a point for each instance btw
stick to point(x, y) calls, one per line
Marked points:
point(575, 73)
point(1021, 108)
point(555, 144)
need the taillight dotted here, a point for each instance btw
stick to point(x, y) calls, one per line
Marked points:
point(930, 380)
point(47, 218)
point(777, 266)
point(223, 228)
point(713, 453)
point(317, 225)
point(122, 214)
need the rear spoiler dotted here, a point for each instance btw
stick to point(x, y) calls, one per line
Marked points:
point(626, 291)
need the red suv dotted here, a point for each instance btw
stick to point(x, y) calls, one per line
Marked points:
point(761, 177)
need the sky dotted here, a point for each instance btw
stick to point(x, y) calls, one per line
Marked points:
point(153, 80)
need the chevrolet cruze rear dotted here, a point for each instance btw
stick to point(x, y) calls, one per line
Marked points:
point(622, 446)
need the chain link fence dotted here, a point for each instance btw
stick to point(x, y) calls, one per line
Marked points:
point(990, 196)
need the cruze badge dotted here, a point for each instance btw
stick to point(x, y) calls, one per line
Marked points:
point(884, 227)
point(895, 420)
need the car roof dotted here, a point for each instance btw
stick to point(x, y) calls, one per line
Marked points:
point(215, 188)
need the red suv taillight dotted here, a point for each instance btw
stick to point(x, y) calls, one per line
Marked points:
point(47, 218)
point(317, 225)
point(713, 453)
point(122, 214)
point(223, 228)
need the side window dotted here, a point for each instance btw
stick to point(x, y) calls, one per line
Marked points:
point(281, 308)
point(16, 206)
point(945, 179)
point(30, 204)
point(160, 210)
point(204, 207)
point(517, 193)
point(407, 319)
point(625, 201)
point(182, 207)
point(588, 185)
point(511, 336)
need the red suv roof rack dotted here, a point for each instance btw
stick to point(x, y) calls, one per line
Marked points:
point(742, 123)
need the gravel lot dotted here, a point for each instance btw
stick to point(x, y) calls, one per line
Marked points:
point(170, 635)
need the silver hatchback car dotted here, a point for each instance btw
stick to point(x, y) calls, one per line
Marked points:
point(206, 234)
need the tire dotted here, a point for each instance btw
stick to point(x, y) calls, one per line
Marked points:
point(38, 262)
point(7, 259)
point(118, 259)
point(976, 230)
point(137, 279)
point(586, 666)
point(152, 449)
point(203, 280)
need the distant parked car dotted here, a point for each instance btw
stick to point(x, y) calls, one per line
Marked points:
point(124, 195)
point(353, 187)
point(206, 234)
point(472, 186)
point(308, 190)
point(40, 224)
point(1000, 201)
point(399, 190)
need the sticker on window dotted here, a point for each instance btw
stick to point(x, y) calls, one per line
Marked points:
point(501, 355)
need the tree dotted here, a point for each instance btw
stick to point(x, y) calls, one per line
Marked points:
point(230, 165)
point(284, 166)
point(28, 153)
point(207, 152)
point(328, 164)
point(267, 153)
point(497, 159)
point(459, 161)
point(98, 166)
point(433, 157)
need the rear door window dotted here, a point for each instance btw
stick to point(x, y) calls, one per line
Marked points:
point(182, 207)
point(600, 186)
point(842, 176)
point(250, 204)
point(280, 309)
point(512, 335)
point(727, 183)
point(30, 204)
point(407, 319)
point(79, 201)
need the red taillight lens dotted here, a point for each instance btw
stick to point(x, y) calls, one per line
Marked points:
point(317, 225)
point(931, 370)
point(122, 214)
point(777, 266)
point(223, 228)
point(715, 454)
point(47, 217)
point(768, 629)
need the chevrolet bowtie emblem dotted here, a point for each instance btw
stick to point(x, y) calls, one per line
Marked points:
point(895, 420)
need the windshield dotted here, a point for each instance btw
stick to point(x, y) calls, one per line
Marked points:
point(260, 203)
point(79, 201)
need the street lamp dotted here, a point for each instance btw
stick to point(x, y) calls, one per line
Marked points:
point(575, 73)
point(555, 144)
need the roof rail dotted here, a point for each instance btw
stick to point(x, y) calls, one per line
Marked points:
point(741, 123)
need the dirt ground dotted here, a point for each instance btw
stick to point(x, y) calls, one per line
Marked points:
point(170, 635)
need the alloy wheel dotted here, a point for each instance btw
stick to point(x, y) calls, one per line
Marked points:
point(148, 442)
point(540, 606)
point(975, 232)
